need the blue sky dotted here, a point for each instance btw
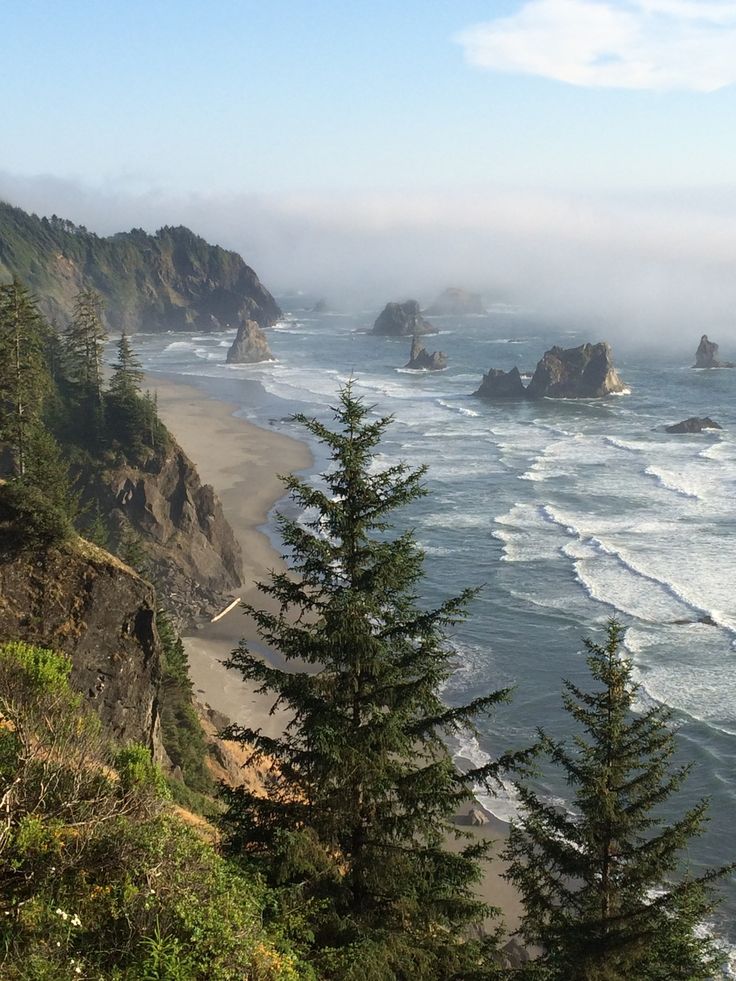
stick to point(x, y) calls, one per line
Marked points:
point(319, 94)
point(577, 155)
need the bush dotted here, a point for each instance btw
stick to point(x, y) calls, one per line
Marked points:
point(28, 519)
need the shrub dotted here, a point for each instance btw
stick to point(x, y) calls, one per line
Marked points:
point(28, 519)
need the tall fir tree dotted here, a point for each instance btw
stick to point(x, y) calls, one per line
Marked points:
point(127, 410)
point(24, 377)
point(603, 889)
point(363, 791)
point(84, 345)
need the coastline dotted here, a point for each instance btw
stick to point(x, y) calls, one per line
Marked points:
point(241, 461)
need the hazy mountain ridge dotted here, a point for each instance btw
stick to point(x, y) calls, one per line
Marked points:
point(173, 280)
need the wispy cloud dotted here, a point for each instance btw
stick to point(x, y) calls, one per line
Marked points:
point(657, 45)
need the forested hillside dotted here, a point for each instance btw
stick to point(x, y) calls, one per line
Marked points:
point(172, 280)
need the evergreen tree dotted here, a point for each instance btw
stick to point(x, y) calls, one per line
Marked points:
point(127, 410)
point(48, 471)
point(363, 791)
point(603, 889)
point(127, 373)
point(84, 346)
point(24, 377)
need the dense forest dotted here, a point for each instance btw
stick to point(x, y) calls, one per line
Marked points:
point(337, 866)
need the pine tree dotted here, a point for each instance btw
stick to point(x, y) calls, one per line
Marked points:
point(363, 791)
point(48, 471)
point(603, 889)
point(24, 379)
point(127, 410)
point(84, 346)
point(127, 373)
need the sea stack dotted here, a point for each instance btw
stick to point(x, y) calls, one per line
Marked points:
point(584, 372)
point(421, 360)
point(250, 345)
point(454, 302)
point(402, 320)
point(707, 355)
point(694, 424)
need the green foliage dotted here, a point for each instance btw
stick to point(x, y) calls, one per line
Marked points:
point(356, 817)
point(96, 878)
point(28, 519)
point(604, 891)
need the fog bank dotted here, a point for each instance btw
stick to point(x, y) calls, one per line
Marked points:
point(639, 268)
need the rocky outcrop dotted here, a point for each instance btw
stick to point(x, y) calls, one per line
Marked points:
point(694, 424)
point(499, 384)
point(79, 599)
point(707, 355)
point(401, 320)
point(455, 302)
point(172, 280)
point(250, 345)
point(421, 360)
point(584, 372)
point(189, 545)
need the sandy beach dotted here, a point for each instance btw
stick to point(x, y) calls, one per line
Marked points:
point(242, 461)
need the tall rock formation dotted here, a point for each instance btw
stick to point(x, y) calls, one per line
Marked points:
point(421, 360)
point(402, 320)
point(79, 599)
point(172, 280)
point(189, 545)
point(584, 372)
point(250, 345)
point(454, 302)
point(707, 355)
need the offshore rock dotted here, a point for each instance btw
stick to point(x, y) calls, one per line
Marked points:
point(694, 424)
point(81, 600)
point(250, 345)
point(421, 360)
point(192, 552)
point(707, 355)
point(584, 372)
point(499, 384)
point(402, 319)
point(454, 302)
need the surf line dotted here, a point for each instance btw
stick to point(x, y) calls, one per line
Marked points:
point(225, 611)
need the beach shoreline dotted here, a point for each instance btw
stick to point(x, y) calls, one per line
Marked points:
point(241, 460)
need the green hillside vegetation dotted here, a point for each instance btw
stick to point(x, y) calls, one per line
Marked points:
point(172, 280)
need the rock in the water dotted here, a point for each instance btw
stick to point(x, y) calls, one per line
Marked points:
point(421, 360)
point(321, 306)
point(455, 302)
point(693, 425)
point(476, 817)
point(499, 384)
point(584, 372)
point(707, 355)
point(250, 345)
point(402, 319)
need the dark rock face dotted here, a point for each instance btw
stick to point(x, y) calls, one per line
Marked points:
point(83, 601)
point(402, 319)
point(172, 280)
point(421, 360)
point(188, 542)
point(693, 425)
point(707, 355)
point(455, 302)
point(584, 372)
point(499, 384)
point(250, 345)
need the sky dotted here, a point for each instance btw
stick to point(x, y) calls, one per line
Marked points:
point(579, 153)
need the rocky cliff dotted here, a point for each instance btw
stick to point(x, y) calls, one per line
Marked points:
point(250, 345)
point(172, 280)
point(421, 360)
point(707, 355)
point(401, 320)
point(78, 599)
point(189, 546)
point(585, 372)
point(455, 302)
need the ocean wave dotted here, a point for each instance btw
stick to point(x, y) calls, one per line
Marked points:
point(180, 346)
point(459, 409)
point(674, 482)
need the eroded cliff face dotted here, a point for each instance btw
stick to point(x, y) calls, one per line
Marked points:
point(190, 548)
point(79, 599)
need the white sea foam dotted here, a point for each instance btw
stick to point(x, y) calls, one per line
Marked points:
point(180, 346)
point(675, 482)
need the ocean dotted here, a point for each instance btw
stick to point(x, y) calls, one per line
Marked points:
point(566, 512)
